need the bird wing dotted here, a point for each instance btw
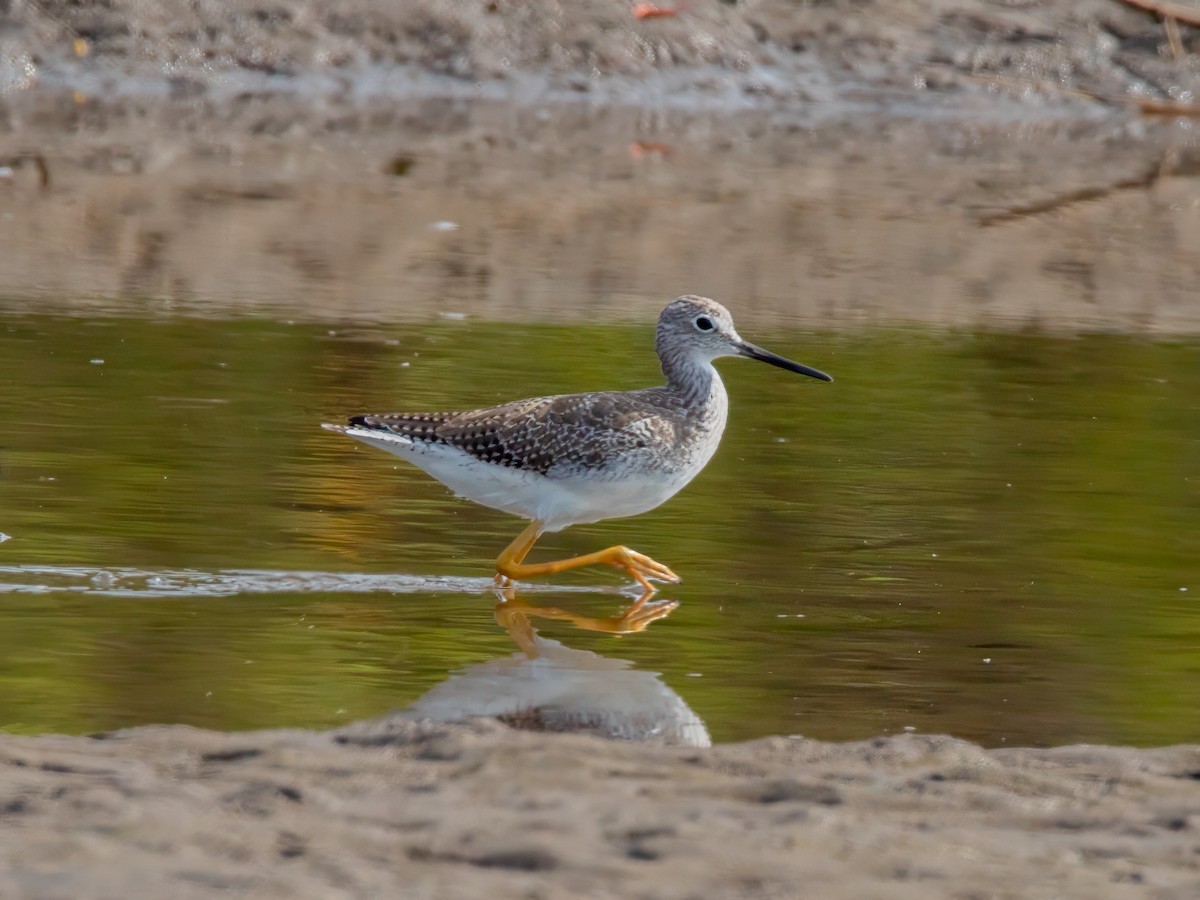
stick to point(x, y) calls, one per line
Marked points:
point(542, 434)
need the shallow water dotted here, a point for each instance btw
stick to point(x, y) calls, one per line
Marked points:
point(986, 534)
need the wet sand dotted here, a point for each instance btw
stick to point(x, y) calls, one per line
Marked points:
point(395, 808)
point(918, 162)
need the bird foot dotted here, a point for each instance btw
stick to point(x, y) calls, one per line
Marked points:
point(640, 567)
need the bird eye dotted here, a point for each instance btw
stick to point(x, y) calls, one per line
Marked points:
point(704, 323)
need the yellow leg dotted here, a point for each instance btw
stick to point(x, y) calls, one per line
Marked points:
point(641, 568)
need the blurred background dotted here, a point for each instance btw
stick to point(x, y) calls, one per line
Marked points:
point(224, 223)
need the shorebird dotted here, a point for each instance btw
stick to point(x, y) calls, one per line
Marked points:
point(578, 458)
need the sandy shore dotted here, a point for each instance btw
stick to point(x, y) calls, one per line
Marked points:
point(401, 809)
point(297, 158)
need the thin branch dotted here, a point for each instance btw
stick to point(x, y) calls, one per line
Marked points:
point(1139, 182)
point(1150, 107)
point(1189, 15)
point(1174, 41)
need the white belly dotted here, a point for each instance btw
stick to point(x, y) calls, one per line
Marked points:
point(557, 501)
point(576, 501)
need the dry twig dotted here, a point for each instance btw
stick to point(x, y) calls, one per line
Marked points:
point(1148, 106)
point(1069, 199)
point(1174, 41)
point(1188, 15)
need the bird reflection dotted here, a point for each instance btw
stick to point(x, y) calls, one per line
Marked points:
point(548, 686)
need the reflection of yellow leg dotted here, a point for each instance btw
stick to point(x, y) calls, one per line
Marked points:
point(641, 568)
point(514, 615)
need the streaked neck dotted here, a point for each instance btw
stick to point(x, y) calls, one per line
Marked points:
point(694, 380)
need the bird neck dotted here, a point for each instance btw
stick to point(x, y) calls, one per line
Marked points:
point(694, 380)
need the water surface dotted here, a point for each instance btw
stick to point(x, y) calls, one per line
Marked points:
point(986, 534)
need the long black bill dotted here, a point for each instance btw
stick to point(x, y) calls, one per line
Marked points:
point(755, 352)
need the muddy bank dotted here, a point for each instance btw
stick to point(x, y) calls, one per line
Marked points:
point(493, 213)
point(769, 52)
point(837, 164)
point(400, 808)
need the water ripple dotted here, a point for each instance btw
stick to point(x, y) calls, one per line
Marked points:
point(151, 583)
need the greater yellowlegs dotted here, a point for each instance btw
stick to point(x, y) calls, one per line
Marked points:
point(578, 458)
